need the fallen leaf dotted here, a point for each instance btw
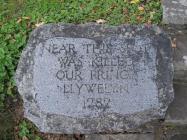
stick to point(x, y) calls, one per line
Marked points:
point(141, 8)
point(19, 20)
point(39, 24)
point(26, 17)
point(101, 21)
point(139, 18)
point(125, 11)
point(113, 6)
point(135, 1)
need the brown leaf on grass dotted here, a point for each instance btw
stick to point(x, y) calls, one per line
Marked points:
point(82, 6)
point(19, 20)
point(141, 8)
point(29, 25)
point(101, 21)
point(134, 1)
point(139, 18)
point(113, 6)
point(26, 18)
point(39, 24)
point(125, 11)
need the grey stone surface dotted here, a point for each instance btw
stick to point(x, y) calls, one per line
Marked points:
point(180, 58)
point(175, 11)
point(178, 35)
point(179, 137)
point(177, 111)
point(95, 78)
point(121, 137)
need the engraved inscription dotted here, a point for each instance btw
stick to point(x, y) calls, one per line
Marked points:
point(97, 103)
point(84, 75)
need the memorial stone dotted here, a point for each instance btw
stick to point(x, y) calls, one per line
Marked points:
point(91, 78)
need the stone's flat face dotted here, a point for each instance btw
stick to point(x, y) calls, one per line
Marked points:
point(95, 78)
point(175, 11)
point(120, 137)
point(91, 78)
point(177, 112)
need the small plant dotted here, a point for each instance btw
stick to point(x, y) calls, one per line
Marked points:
point(23, 130)
point(27, 130)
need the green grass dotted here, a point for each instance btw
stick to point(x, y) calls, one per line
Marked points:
point(19, 17)
point(27, 130)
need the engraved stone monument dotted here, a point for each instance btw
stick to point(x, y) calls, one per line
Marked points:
point(95, 78)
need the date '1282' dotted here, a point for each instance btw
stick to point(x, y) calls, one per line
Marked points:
point(97, 103)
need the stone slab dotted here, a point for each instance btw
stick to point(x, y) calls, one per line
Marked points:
point(177, 112)
point(180, 58)
point(179, 137)
point(121, 137)
point(178, 35)
point(95, 78)
point(175, 11)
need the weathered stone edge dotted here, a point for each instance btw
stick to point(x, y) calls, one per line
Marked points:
point(25, 89)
